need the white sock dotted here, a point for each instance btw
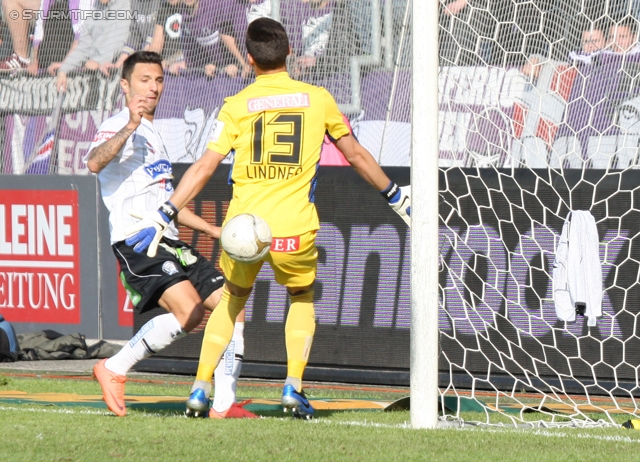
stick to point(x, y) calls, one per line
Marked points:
point(228, 371)
point(206, 386)
point(151, 338)
point(297, 383)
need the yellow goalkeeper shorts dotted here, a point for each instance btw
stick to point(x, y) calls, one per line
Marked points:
point(294, 261)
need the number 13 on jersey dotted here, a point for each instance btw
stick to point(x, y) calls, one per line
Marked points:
point(277, 139)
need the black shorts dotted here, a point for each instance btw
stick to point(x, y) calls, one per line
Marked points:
point(145, 279)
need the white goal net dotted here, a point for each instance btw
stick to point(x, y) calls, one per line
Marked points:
point(539, 104)
point(539, 139)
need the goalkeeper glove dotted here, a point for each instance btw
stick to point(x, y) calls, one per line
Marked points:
point(147, 233)
point(399, 199)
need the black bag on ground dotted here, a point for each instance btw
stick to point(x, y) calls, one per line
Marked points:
point(50, 345)
point(9, 347)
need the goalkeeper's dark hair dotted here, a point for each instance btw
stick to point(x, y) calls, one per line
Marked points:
point(139, 57)
point(267, 43)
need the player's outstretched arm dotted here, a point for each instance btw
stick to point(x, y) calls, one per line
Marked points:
point(189, 219)
point(195, 178)
point(147, 233)
point(362, 161)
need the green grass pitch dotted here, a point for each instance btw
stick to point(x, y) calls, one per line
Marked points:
point(64, 433)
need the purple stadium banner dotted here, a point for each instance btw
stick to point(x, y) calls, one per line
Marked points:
point(569, 115)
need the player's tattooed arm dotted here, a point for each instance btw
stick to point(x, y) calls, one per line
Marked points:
point(100, 156)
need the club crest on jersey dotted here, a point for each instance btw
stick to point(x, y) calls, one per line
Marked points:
point(169, 267)
point(216, 131)
point(160, 167)
point(165, 184)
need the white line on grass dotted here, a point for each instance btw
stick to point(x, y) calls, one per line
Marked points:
point(58, 410)
point(355, 423)
point(51, 410)
point(537, 432)
point(559, 434)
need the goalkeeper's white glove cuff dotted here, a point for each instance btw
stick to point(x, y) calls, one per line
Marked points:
point(399, 199)
point(147, 233)
point(170, 211)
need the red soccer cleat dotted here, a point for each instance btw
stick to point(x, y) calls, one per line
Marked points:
point(112, 388)
point(236, 411)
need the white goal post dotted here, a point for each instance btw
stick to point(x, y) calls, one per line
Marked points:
point(424, 216)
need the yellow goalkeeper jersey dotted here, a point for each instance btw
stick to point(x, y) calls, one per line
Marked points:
point(276, 126)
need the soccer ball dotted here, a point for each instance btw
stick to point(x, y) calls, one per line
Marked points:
point(246, 238)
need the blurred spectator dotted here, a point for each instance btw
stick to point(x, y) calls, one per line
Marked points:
point(19, 30)
point(326, 58)
point(308, 24)
point(6, 46)
point(462, 28)
point(623, 36)
point(620, 8)
point(56, 36)
point(592, 43)
point(593, 40)
point(209, 37)
point(258, 9)
point(455, 7)
point(140, 31)
point(498, 32)
point(402, 30)
point(362, 15)
point(167, 32)
point(101, 40)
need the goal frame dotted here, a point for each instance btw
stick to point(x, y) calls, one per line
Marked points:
point(424, 216)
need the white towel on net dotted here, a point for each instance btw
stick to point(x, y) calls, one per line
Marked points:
point(577, 271)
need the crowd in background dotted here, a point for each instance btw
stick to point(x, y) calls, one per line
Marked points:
point(508, 33)
point(205, 35)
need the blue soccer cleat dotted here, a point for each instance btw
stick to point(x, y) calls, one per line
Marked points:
point(297, 402)
point(198, 404)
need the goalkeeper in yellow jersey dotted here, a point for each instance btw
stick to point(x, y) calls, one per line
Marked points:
point(276, 127)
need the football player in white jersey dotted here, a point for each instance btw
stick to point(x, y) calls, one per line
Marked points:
point(135, 177)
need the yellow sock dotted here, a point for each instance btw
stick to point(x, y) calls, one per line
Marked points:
point(218, 333)
point(299, 330)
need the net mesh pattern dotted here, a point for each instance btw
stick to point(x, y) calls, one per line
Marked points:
point(538, 148)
